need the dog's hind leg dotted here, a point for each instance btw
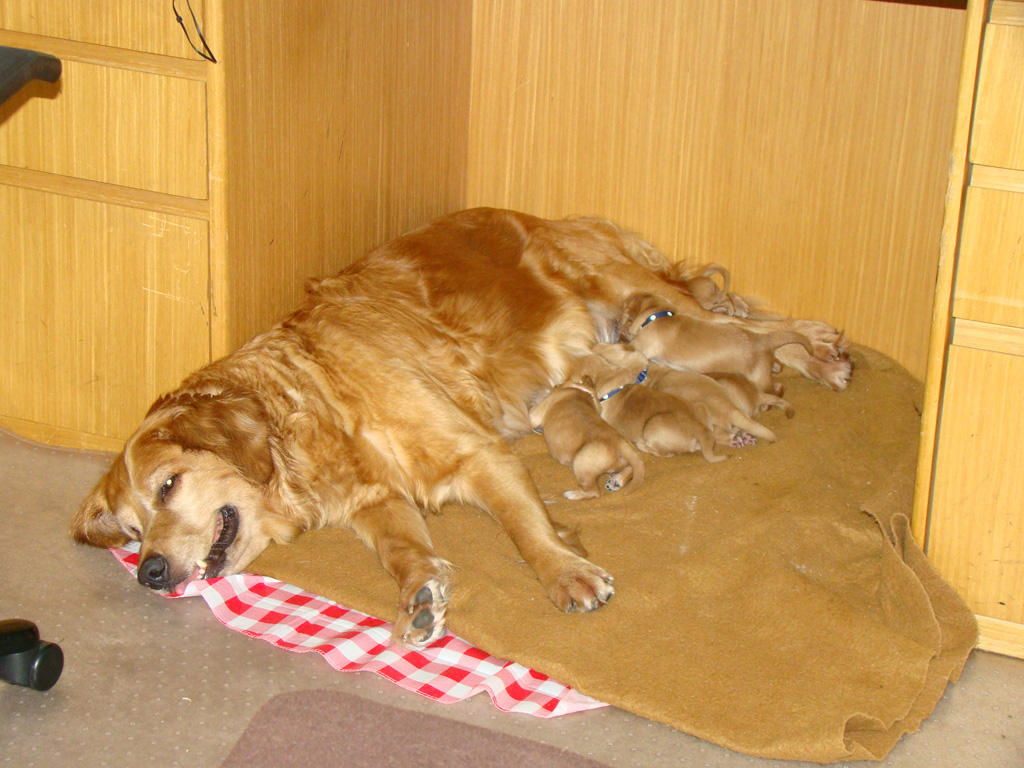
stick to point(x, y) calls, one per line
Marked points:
point(494, 479)
point(398, 532)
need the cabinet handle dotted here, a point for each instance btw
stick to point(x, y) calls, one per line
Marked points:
point(19, 67)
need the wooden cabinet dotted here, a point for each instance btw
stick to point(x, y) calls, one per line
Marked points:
point(970, 501)
point(158, 209)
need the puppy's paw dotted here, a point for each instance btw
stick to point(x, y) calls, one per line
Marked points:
point(741, 439)
point(613, 483)
point(421, 617)
point(834, 374)
point(582, 587)
point(579, 493)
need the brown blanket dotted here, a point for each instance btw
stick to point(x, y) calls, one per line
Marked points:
point(773, 603)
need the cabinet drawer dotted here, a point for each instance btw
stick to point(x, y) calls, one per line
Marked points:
point(134, 129)
point(104, 307)
point(998, 134)
point(976, 523)
point(137, 25)
point(990, 268)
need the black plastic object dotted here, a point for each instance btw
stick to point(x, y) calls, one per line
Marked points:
point(27, 660)
point(18, 67)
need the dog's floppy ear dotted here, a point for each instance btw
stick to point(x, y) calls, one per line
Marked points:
point(95, 522)
point(232, 425)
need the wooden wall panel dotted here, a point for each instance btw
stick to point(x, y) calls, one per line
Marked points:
point(109, 309)
point(346, 125)
point(803, 145)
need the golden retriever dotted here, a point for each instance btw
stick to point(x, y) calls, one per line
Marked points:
point(394, 388)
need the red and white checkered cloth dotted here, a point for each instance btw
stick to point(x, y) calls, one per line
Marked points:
point(448, 670)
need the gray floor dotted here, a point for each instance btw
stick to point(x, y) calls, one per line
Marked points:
point(161, 680)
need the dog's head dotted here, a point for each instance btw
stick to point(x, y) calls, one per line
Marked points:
point(609, 367)
point(193, 487)
point(635, 310)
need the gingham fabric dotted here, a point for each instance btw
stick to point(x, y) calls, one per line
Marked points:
point(449, 670)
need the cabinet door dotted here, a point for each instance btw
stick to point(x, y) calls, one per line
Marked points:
point(137, 25)
point(119, 126)
point(990, 268)
point(104, 307)
point(998, 137)
point(976, 525)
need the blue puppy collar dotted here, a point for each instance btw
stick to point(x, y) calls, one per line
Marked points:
point(657, 316)
point(640, 379)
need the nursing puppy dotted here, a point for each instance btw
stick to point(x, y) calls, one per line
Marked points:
point(698, 345)
point(393, 389)
point(729, 423)
point(748, 398)
point(579, 438)
point(659, 423)
point(701, 284)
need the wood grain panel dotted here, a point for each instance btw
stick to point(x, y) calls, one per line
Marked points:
point(803, 145)
point(105, 307)
point(998, 137)
point(112, 125)
point(976, 525)
point(347, 125)
point(990, 270)
point(140, 25)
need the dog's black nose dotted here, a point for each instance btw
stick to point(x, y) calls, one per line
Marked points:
point(153, 572)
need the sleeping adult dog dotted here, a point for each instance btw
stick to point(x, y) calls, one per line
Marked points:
point(394, 388)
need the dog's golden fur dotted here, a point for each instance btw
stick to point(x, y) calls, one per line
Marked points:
point(392, 389)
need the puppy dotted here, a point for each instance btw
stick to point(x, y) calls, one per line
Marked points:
point(746, 396)
point(701, 284)
point(690, 343)
point(612, 367)
point(579, 438)
point(728, 422)
point(659, 423)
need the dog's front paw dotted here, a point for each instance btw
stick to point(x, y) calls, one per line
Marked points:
point(583, 587)
point(421, 618)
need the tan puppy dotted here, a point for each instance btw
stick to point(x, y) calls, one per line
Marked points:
point(690, 343)
point(579, 438)
point(746, 396)
point(727, 420)
point(659, 423)
point(611, 367)
point(701, 284)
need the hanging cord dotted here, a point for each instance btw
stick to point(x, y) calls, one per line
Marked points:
point(206, 53)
